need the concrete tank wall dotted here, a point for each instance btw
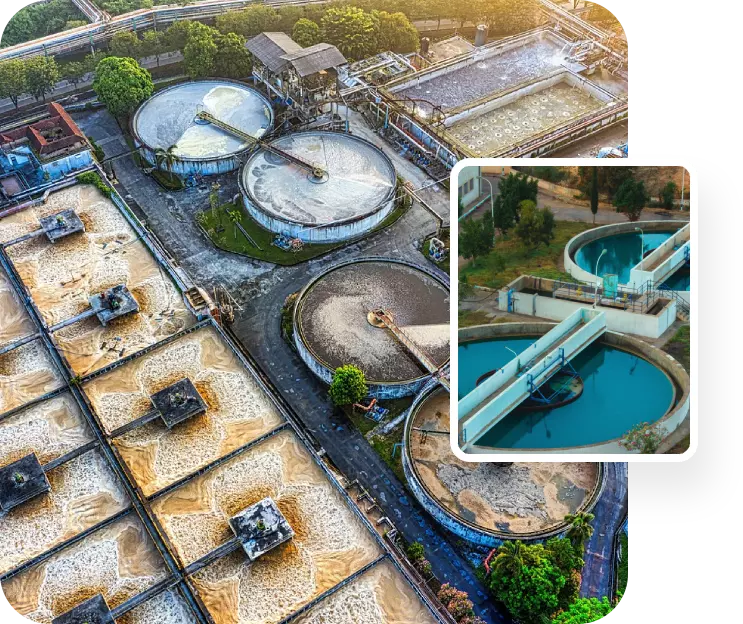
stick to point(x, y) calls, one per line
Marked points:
point(334, 232)
point(185, 167)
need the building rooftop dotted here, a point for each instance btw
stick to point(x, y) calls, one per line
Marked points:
point(316, 58)
point(271, 47)
point(50, 137)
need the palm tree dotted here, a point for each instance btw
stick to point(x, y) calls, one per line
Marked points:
point(166, 157)
point(580, 530)
point(510, 558)
point(234, 216)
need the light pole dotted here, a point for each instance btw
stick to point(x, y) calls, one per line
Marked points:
point(598, 279)
point(642, 242)
point(492, 205)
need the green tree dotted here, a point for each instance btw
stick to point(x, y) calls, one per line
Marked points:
point(580, 529)
point(153, 44)
point(475, 238)
point(569, 561)
point(200, 51)
point(595, 192)
point(396, 33)
point(583, 611)
point(668, 194)
point(532, 595)
point(13, 82)
point(176, 36)
point(40, 19)
point(510, 558)
point(354, 32)
point(234, 216)
point(609, 179)
point(415, 551)
point(349, 385)
point(121, 85)
point(42, 74)
point(74, 71)
point(504, 215)
point(631, 197)
point(232, 59)
point(306, 32)
point(126, 44)
point(166, 158)
point(535, 226)
point(249, 22)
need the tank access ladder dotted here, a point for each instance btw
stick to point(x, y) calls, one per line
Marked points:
point(316, 171)
point(383, 317)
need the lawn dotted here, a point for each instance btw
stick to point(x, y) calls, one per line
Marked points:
point(680, 346)
point(517, 259)
point(225, 235)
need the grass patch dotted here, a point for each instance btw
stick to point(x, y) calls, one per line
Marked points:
point(680, 346)
point(169, 181)
point(543, 261)
point(225, 235)
point(384, 447)
point(623, 567)
point(468, 318)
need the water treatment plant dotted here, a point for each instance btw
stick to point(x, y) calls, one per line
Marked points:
point(564, 349)
point(180, 286)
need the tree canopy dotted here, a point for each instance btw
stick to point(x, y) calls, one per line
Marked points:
point(13, 80)
point(536, 226)
point(348, 386)
point(631, 197)
point(39, 20)
point(121, 84)
point(306, 32)
point(475, 238)
point(583, 611)
point(42, 74)
point(353, 31)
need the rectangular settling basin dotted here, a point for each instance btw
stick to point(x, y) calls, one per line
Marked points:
point(27, 373)
point(62, 276)
point(238, 411)
point(15, 323)
point(330, 542)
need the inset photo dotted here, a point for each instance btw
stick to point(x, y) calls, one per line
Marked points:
point(574, 310)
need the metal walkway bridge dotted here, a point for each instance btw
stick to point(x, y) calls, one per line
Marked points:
point(316, 170)
point(504, 391)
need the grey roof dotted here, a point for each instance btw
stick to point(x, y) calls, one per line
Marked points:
point(316, 58)
point(269, 48)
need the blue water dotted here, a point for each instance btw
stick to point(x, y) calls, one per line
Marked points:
point(620, 390)
point(622, 253)
point(680, 280)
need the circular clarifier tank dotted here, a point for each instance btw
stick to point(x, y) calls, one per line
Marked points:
point(333, 326)
point(487, 503)
point(625, 382)
point(624, 248)
point(170, 119)
point(352, 195)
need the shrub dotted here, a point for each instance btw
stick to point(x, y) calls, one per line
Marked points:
point(349, 385)
point(415, 552)
point(91, 177)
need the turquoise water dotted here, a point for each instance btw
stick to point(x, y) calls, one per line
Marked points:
point(622, 253)
point(620, 390)
point(680, 280)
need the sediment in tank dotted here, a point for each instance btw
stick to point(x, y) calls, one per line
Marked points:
point(83, 492)
point(379, 596)
point(330, 543)
point(26, 373)
point(62, 276)
point(333, 317)
point(118, 561)
point(15, 323)
point(238, 411)
point(521, 497)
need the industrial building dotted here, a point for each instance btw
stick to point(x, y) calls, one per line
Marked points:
point(36, 155)
point(337, 321)
point(144, 490)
